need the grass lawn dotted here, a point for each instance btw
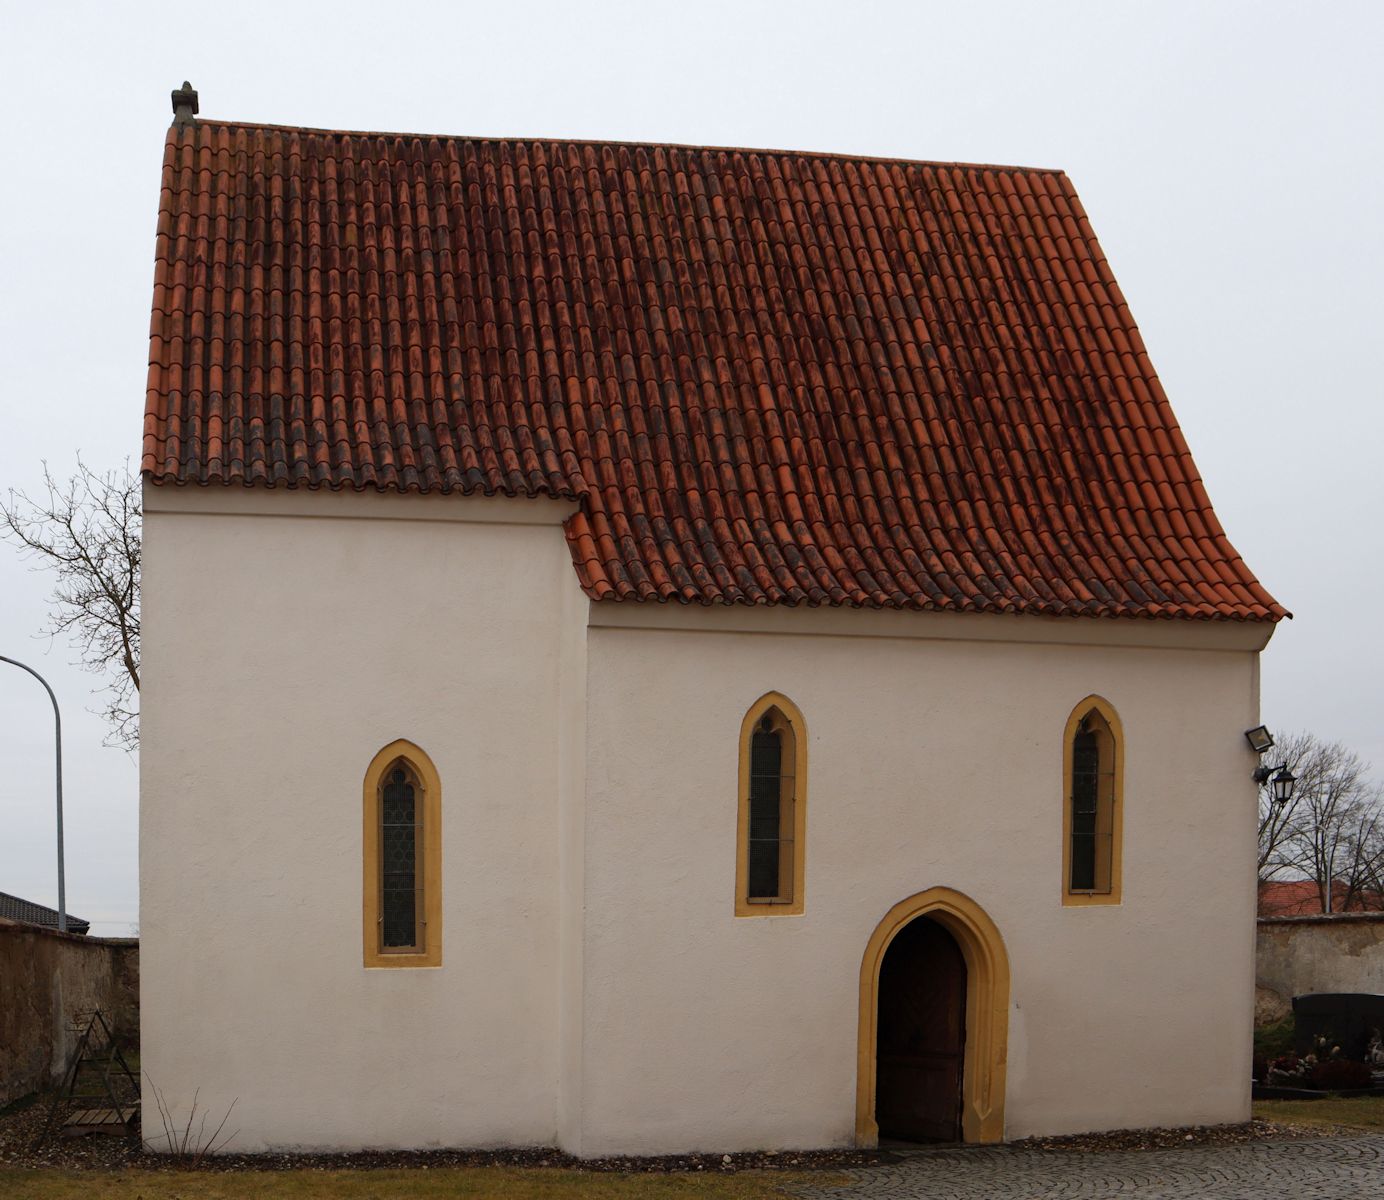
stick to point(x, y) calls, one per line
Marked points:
point(1363, 1112)
point(504, 1182)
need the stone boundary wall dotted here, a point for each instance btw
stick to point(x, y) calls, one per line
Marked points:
point(1343, 952)
point(46, 978)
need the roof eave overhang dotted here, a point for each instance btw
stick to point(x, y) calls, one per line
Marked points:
point(802, 621)
point(240, 500)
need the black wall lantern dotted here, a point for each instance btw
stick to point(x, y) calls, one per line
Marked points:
point(1281, 785)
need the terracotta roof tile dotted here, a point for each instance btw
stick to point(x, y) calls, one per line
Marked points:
point(1302, 897)
point(766, 377)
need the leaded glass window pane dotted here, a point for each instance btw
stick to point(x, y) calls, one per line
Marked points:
point(1085, 802)
point(401, 846)
point(766, 782)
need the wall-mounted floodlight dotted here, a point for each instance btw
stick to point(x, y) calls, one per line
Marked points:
point(1259, 738)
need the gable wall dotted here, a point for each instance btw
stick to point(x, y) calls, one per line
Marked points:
point(281, 652)
point(931, 763)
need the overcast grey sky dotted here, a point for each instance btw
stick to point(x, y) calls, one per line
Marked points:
point(1229, 155)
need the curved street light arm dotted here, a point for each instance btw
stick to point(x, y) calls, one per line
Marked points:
point(57, 730)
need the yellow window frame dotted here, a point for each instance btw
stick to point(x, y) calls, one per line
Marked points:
point(429, 954)
point(1109, 816)
point(787, 721)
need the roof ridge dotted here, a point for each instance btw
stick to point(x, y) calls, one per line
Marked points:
point(834, 155)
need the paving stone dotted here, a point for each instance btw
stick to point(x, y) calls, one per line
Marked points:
point(1349, 1168)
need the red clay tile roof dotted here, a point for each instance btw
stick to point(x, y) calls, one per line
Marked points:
point(1302, 897)
point(767, 377)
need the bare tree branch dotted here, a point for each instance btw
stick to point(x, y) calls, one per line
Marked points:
point(1279, 825)
point(87, 532)
point(1332, 831)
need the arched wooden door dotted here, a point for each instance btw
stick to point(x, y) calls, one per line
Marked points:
point(921, 1036)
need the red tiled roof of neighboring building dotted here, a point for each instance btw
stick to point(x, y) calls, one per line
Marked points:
point(765, 377)
point(1302, 897)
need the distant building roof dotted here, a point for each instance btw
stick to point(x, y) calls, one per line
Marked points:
point(14, 909)
point(1302, 898)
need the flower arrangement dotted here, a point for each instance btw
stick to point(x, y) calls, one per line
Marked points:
point(1288, 1070)
point(1323, 1068)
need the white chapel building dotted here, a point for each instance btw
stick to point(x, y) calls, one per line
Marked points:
point(656, 648)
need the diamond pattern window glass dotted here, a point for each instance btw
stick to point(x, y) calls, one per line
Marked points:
point(402, 843)
point(401, 854)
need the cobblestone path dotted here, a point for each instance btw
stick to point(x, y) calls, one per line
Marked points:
point(1348, 1168)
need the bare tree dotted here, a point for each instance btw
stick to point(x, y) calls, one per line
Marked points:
point(87, 532)
point(1282, 825)
point(1363, 875)
point(1332, 831)
point(1334, 804)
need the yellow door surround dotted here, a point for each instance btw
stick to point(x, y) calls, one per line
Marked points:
point(987, 1012)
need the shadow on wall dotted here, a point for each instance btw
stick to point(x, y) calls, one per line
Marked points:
point(46, 979)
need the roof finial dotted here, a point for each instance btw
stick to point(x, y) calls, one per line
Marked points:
point(184, 104)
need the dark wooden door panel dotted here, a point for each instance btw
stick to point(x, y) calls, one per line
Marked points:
point(921, 1035)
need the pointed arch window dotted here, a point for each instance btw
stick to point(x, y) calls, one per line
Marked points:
point(402, 841)
point(1093, 817)
point(770, 850)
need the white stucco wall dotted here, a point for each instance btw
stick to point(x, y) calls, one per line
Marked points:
point(280, 653)
point(596, 990)
point(931, 762)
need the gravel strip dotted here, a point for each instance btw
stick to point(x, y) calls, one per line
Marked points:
point(21, 1124)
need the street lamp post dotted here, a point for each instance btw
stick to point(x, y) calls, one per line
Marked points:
point(57, 730)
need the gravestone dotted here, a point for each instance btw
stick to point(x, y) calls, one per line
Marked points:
point(1345, 1019)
